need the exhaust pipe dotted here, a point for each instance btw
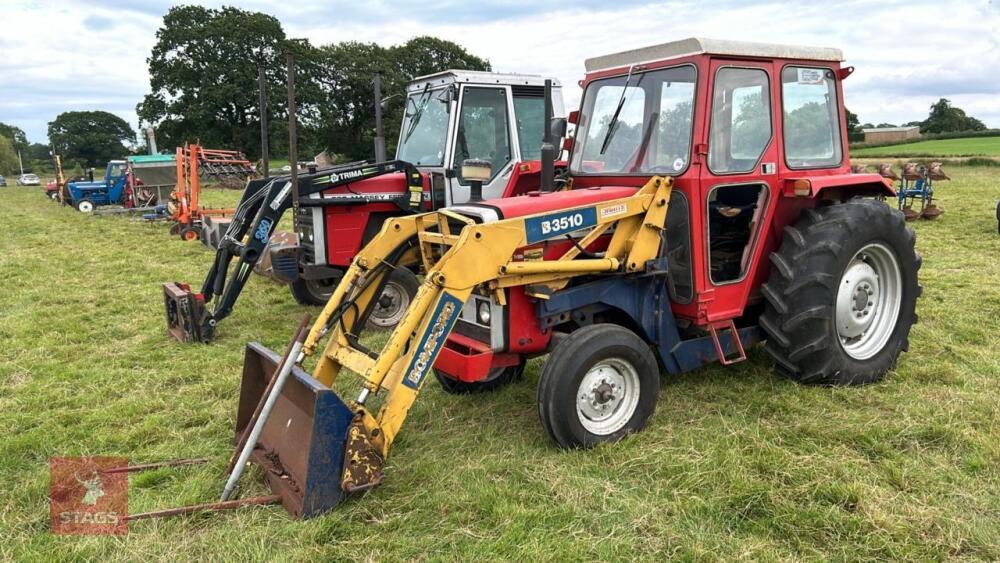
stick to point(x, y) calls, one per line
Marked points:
point(548, 145)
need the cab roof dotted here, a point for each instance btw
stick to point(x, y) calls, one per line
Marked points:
point(704, 46)
point(452, 76)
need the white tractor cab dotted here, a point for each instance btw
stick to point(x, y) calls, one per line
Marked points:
point(456, 115)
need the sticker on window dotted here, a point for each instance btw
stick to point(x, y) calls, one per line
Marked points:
point(810, 76)
point(678, 164)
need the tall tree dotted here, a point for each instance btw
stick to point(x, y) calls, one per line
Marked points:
point(853, 124)
point(945, 118)
point(203, 74)
point(346, 121)
point(15, 135)
point(94, 137)
point(8, 158)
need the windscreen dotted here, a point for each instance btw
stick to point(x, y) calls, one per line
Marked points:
point(425, 128)
point(639, 123)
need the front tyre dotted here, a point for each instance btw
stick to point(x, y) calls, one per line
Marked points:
point(400, 289)
point(85, 206)
point(842, 294)
point(315, 292)
point(189, 234)
point(600, 383)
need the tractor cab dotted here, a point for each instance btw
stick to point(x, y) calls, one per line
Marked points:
point(457, 115)
point(86, 195)
point(751, 133)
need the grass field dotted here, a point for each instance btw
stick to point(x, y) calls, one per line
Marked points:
point(973, 146)
point(737, 464)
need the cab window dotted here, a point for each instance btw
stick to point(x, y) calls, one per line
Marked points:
point(483, 129)
point(529, 114)
point(741, 120)
point(811, 117)
point(639, 123)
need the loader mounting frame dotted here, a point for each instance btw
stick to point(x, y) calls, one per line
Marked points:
point(459, 257)
point(253, 223)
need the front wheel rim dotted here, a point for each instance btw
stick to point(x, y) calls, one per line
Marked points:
point(86, 207)
point(390, 306)
point(869, 299)
point(607, 396)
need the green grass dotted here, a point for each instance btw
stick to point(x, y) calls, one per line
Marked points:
point(737, 463)
point(973, 146)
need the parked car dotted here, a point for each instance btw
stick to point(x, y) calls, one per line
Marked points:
point(3, 181)
point(28, 180)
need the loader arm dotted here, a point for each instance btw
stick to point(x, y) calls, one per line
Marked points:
point(478, 257)
point(263, 204)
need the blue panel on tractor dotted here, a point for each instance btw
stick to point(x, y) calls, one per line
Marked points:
point(553, 225)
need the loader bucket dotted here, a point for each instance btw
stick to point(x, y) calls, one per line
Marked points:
point(301, 448)
point(185, 311)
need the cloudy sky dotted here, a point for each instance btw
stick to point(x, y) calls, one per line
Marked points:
point(70, 55)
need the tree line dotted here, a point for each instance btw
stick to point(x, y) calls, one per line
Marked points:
point(204, 80)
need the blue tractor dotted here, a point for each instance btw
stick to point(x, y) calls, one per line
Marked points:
point(87, 195)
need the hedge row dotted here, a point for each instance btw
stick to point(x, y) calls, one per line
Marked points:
point(927, 137)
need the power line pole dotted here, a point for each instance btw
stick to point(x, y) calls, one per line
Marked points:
point(263, 120)
point(379, 131)
point(293, 144)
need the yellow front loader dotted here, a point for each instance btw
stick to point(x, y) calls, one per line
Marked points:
point(315, 447)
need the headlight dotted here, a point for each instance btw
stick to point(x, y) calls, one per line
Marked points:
point(483, 312)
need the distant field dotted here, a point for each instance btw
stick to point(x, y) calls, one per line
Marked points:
point(976, 146)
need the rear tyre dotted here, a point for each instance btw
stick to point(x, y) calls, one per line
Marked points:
point(190, 233)
point(175, 229)
point(601, 382)
point(85, 206)
point(497, 378)
point(315, 292)
point(400, 289)
point(842, 294)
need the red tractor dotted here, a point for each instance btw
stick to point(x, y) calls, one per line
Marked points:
point(768, 228)
point(450, 116)
point(712, 206)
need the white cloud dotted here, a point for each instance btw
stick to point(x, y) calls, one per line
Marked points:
point(907, 54)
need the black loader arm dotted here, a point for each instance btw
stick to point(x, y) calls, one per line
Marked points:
point(189, 315)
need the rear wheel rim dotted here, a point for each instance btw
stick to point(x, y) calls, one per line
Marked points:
point(390, 306)
point(869, 299)
point(607, 396)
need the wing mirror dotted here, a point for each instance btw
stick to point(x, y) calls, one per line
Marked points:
point(558, 125)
